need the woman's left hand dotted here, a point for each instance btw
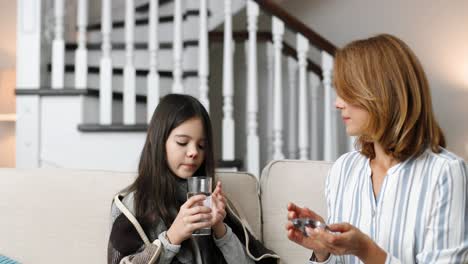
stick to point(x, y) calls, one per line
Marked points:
point(349, 240)
point(218, 211)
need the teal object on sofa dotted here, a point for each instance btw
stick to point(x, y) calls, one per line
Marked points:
point(5, 260)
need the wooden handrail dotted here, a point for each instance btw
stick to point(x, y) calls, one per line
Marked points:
point(293, 23)
point(288, 50)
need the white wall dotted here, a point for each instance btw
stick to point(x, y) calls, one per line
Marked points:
point(7, 80)
point(435, 30)
point(8, 33)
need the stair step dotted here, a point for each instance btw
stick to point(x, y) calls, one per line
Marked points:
point(144, 8)
point(143, 21)
point(190, 80)
point(137, 45)
point(112, 128)
point(229, 164)
point(190, 25)
point(71, 91)
point(141, 55)
point(119, 71)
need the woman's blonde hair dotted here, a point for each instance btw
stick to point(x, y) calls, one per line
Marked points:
point(383, 76)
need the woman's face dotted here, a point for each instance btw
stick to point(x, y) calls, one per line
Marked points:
point(354, 117)
point(185, 148)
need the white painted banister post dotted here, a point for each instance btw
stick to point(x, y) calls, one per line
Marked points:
point(81, 53)
point(270, 54)
point(177, 86)
point(293, 110)
point(153, 74)
point(228, 85)
point(129, 94)
point(253, 143)
point(302, 49)
point(58, 47)
point(278, 31)
point(327, 68)
point(203, 62)
point(29, 20)
point(315, 141)
point(105, 66)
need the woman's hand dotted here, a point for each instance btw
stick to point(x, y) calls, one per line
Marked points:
point(192, 216)
point(321, 250)
point(348, 240)
point(218, 211)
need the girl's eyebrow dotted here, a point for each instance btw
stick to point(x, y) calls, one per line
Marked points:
point(186, 136)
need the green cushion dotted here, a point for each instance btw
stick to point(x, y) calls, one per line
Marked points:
point(5, 260)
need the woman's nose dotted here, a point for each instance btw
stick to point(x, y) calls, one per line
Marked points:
point(339, 103)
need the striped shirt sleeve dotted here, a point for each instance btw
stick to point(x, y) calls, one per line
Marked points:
point(446, 236)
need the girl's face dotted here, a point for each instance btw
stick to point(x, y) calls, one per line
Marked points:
point(185, 148)
point(354, 117)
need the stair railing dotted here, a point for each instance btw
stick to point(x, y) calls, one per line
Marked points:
point(305, 136)
point(306, 37)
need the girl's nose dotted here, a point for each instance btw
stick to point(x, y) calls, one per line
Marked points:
point(192, 152)
point(339, 103)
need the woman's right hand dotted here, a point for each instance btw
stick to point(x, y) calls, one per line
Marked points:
point(192, 216)
point(322, 252)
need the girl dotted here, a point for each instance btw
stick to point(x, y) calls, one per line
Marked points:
point(402, 197)
point(153, 221)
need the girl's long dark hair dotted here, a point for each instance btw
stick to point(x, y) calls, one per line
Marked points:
point(155, 186)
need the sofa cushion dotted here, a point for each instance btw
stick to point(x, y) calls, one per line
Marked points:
point(6, 260)
point(62, 215)
point(243, 191)
point(283, 181)
point(57, 215)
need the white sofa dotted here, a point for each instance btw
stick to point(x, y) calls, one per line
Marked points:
point(62, 215)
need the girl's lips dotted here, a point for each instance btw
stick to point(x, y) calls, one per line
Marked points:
point(346, 119)
point(191, 166)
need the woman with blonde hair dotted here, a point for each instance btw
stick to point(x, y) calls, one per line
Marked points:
point(402, 197)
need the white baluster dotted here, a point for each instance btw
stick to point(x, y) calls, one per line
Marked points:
point(153, 74)
point(228, 84)
point(58, 47)
point(81, 53)
point(177, 86)
point(270, 54)
point(129, 94)
point(105, 66)
point(253, 144)
point(28, 76)
point(302, 49)
point(203, 62)
point(327, 68)
point(278, 31)
point(315, 141)
point(293, 110)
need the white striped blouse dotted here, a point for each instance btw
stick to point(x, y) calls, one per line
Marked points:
point(420, 214)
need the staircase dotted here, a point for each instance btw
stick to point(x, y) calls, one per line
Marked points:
point(269, 98)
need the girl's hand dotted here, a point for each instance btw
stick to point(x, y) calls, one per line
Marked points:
point(349, 240)
point(321, 250)
point(192, 216)
point(218, 211)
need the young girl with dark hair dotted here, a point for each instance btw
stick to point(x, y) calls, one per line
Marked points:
point(152, 219)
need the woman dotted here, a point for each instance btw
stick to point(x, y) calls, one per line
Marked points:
point(402, 197)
